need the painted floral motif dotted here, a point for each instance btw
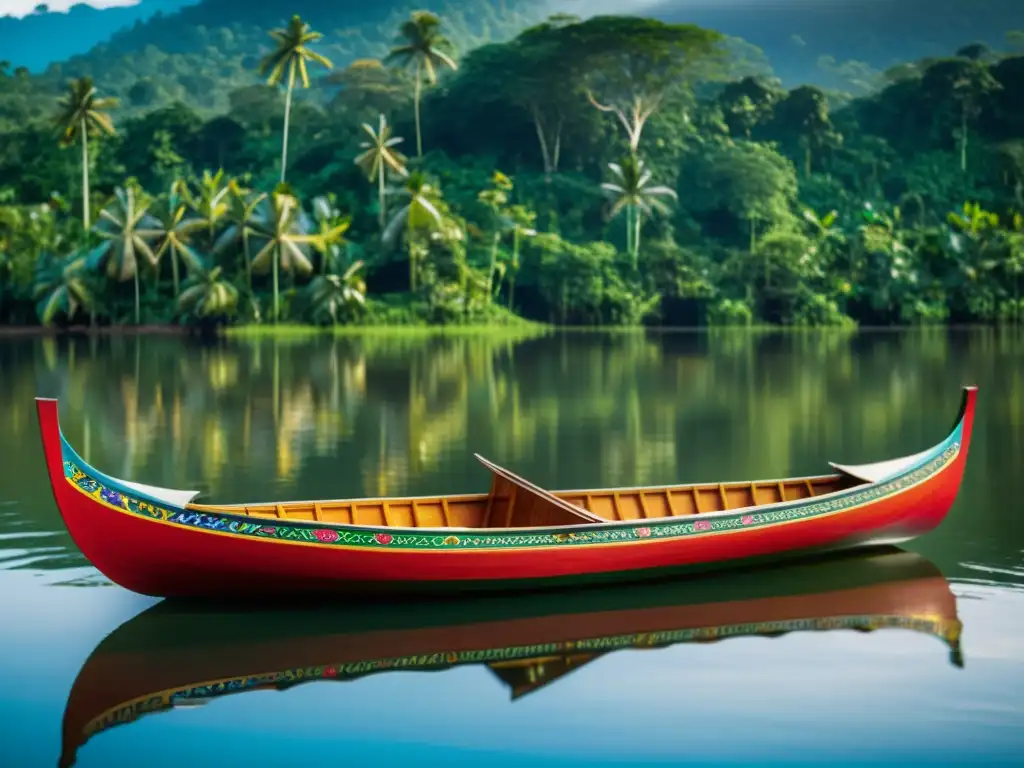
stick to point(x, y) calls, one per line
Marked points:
point(497, 538)
point(112, 497)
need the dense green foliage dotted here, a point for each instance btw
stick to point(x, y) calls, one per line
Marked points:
point(611, 171)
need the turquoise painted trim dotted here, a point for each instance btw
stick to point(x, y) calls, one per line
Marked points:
point(69, 454)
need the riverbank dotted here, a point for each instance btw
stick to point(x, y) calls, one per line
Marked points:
point(522, 327)
point(14, 331)
point(284, 329)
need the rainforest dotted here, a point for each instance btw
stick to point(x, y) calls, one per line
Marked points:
point(492, 163)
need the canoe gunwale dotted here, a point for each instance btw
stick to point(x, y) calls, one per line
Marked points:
point(129, 490)
point(651, 522)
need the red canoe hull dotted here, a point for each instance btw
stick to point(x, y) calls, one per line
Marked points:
point(164, 552)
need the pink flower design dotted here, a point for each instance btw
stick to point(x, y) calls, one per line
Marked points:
point(747, 519)
point(702, 525)
point(330, 672)
point(642, 533)
point(382, 538)
point(268, 529)
point(326, 536)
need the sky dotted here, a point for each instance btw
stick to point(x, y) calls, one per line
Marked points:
point(23, 7)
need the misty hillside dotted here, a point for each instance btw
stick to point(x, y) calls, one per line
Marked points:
point(795, 34)
point(202, 52)
point(41, 38)
point(881, 33)
point(199, 56)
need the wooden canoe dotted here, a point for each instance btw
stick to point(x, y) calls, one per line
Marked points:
point(176, 654)
point(159, 542)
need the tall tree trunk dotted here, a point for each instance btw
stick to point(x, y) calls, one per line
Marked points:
point(629, 230)
point(513, 270)
point(637, 223)
point(557, 155)
point(412, 262)
point(277, 258)
point(85, 178)
point(248, 262)
point(963, 140)
point(542, 140)
point(416, 106)
point(380, 193)
point(287, 119)
point(138, 320)
point(174, 268)
point(494, 264)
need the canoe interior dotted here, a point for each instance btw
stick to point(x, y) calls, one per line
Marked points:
point(504, 508)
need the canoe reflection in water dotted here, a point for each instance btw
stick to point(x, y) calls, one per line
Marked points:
point(176, 654)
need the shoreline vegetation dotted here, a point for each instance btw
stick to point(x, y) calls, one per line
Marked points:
point(517, 186)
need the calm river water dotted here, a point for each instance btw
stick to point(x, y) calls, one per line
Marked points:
point(791, 679)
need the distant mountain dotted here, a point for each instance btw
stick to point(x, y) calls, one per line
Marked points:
point(38, 39)
point(880, 33)
point(202, 52)
point(199, 50)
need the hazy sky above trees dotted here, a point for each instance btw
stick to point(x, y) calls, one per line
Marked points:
point(21, 7)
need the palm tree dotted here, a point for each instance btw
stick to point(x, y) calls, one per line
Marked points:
point(521, 223)
point(420, 214)
point(330, 293)
point(59, 286)
point(291, 56)
point(241, 216)
point(172, 231)
point(83, 114)
point(421, 45)
point(122, 226)
point(631, 192)
point(6, 268)
point(496, 199)
point(210, 204)
point(331, 227)
point(378, 157)
point(285, 229)
point(206, 294)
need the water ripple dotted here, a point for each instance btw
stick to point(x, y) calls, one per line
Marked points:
point(1002, 576)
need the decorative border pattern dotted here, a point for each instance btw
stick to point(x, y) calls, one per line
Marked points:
point(130, 711)
point(645, 529)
